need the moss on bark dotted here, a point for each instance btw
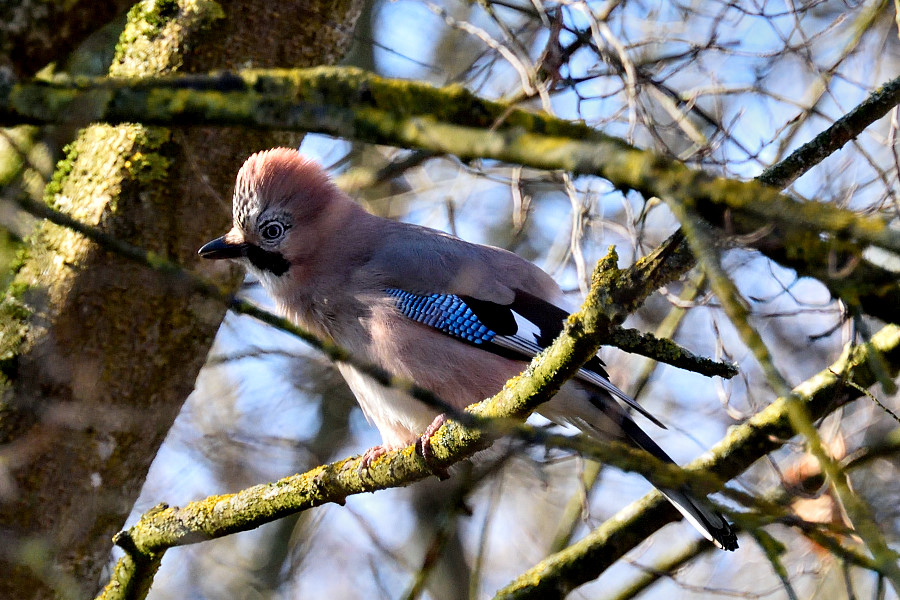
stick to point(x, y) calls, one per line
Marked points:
point(100, 352)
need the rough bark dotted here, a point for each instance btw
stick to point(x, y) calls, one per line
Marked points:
point(34, 33)
point(98, 354)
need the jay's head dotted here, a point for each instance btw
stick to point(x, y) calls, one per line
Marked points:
point(284, 207)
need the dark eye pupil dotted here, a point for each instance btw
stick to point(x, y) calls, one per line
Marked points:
point(271, 231)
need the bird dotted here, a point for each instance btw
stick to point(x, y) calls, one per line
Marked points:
point(457, 318)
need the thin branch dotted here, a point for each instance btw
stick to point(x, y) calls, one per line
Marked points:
point(773, 550)
point(761, 434)
point(839, 133)
point(707, 253)
point(667, 566)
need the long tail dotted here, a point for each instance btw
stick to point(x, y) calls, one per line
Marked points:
point(709, 522)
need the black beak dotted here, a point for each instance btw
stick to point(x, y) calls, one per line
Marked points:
point(221, 248)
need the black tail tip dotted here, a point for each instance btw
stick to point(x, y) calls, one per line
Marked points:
point(726, 539)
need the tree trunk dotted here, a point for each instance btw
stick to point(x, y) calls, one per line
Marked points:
point(97, 353)
point(38, 32)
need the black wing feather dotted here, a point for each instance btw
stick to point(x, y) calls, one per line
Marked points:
point(550, 319)
point(497, 317)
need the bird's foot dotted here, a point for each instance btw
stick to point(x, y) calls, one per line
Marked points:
point(423, 446)
point(369, 456)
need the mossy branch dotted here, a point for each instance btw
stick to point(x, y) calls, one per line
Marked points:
point(734, 305)
point(354, 104)
point(842, 131)
point(647, 344)
point(766, 431)
point(678, 557)
point(345, 102)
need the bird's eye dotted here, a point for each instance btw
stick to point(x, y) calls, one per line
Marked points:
point(272, 230)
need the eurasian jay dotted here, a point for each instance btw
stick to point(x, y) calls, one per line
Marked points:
point(457, 318)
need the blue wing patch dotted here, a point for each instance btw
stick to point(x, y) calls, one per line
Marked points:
point(517, 332)
point(445, 312)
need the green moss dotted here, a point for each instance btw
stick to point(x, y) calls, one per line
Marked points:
point(147, 162)
point(11, 162)
point(145, 20)
point(164, 11)
point(16, 291)
point(155, 32)
point(147, 166)
point(19, 260)
point(348, 87)
point(60, 174)
point(10, 256)
point(14, 315)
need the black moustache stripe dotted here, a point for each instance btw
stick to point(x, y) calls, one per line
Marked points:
point(265, 260)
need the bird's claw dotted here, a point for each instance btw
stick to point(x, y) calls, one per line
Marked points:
point(369, 456)
point(423, 446)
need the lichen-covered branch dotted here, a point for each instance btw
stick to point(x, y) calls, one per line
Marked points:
point(666, 351)
point(353, 104)
point(766, 431)
point(832, 139)
point(809, 237)
point(734, 305)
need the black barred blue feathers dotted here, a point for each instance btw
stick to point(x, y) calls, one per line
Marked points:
point(446, 312)
point(517, 331)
